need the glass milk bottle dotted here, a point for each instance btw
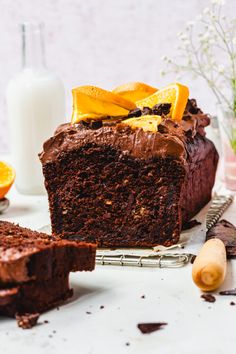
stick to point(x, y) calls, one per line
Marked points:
point(36, 106)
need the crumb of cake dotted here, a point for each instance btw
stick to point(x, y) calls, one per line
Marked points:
point(147, 328)
point(102, 307)
point(232, 303)
point(208, 297)
point(228, 292)
point(143, 297)
point(27, 320)
point(190, 224)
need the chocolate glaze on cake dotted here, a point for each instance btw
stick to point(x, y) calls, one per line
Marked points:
point(123, 187)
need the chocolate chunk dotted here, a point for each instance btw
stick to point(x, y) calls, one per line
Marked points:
point(228, 292)
point(27, 320)
point(208, 297)
point(161, 109)
point(193, 258)
point(146, 111)
point(190, 224)
point(146, 328)
point(135, 113)
point(226, 232)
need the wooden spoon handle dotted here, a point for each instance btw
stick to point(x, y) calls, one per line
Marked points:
point(209, 267)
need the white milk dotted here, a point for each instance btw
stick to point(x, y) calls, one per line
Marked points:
point(36, 106)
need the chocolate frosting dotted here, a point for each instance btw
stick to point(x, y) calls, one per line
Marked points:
point(173, 139)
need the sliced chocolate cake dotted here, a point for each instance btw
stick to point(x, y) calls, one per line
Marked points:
point(29, 255)
point(35, 267)
point(130, 181)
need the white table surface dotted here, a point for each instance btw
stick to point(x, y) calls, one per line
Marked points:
point(194, 326)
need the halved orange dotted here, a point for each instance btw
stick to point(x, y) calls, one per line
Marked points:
point(7, 177)
point(92, 100)
point(148, 123)
point(134, 91)
point(176, 94)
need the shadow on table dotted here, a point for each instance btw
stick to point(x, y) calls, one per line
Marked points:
point(81, 292)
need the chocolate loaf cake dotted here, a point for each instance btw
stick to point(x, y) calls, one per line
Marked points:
point(123, 187)
point(34, 270)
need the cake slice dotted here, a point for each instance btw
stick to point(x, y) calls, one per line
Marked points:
point(27, 255)
point(34, 296)
point(34, 271)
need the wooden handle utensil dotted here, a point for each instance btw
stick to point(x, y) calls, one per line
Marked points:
point(209, 267)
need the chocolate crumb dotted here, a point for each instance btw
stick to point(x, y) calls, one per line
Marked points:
point(228, 292)
point(88, 312)
point(190, 224)
point(54, 331)
point(143, 297)
point(208, 297)
point(193, 258)
point(127, 344)
point(146, 328)
point(232, 303)
point(27, 320)
point(102, 307)
point(50, 336)
point(46, 321)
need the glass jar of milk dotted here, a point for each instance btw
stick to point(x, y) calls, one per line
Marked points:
point(36, 106)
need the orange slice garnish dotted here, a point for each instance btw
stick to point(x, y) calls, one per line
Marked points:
point(148, 123)
point(176, 94)
point(7, 177)
point(96, 102)
point(134, 91)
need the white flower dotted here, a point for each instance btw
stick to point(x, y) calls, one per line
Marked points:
point(199, 17)
point(221, 69)
point(206, 11)
point(218, 2)
point(164, 57)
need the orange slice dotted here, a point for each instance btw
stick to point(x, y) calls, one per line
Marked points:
point(134, 91)
point(7, 177)
point(148, 123)
point(94, 101)
point(176, 94)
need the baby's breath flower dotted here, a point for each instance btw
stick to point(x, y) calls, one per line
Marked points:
point(210, 38)
point(206, 11)
point(218, 2)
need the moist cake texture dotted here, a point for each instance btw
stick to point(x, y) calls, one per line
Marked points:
point(124, 187)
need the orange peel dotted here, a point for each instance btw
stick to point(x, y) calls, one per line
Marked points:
point(134, 91)
point(176, 94)
point(148, 123)
point(7, 177)
point(95, 103)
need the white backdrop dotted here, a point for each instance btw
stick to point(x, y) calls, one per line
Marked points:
point(100, 42)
